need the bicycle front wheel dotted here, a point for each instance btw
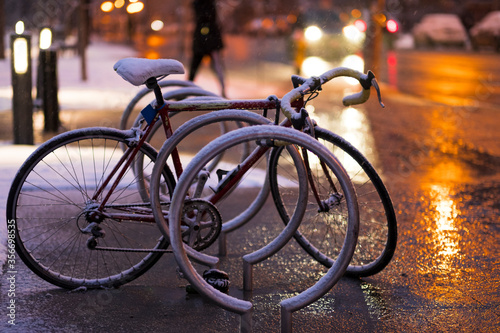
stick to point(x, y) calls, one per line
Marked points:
point(378, 227)
point(63, 231)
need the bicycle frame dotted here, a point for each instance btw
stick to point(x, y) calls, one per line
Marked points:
point(271, 103)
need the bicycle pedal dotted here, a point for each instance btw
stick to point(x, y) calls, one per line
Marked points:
point(217, 279)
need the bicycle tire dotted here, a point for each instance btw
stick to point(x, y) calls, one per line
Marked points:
point(263, 133)
point(378, 226)
point(51, 196)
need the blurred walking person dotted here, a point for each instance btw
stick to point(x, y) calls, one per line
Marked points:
point(207, 40)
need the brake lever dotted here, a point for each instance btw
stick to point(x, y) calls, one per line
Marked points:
point(299, 119)
point(377, 88)
point(297, 81)
point(316, 84)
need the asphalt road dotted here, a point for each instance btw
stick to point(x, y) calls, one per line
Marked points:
point(436, 146)
point(450, 77)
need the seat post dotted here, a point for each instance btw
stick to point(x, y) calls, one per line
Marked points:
point(152, 83)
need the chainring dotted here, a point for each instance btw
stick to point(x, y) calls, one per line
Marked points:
point(201, 223)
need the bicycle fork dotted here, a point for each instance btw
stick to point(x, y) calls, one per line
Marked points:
point(334, 197)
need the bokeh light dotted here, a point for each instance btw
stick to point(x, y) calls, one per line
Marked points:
point(313, 33)
point(157, 25)
point(107, 6)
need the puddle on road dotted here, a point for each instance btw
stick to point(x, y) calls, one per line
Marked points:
point(441, 222)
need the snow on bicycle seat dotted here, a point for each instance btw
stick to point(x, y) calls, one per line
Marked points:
point(138, 70)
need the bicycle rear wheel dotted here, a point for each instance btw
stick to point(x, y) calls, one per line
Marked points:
point(55, 205)
point(378, 226)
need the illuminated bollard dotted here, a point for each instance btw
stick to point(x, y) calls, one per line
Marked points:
point(22, 100)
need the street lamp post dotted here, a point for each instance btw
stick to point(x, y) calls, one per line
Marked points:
point(22, 100)
point(373, 44)
point(83, 36)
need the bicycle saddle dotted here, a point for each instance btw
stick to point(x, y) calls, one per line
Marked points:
point(138, 70)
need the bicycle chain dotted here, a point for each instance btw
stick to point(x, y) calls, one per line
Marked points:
point(118, 249)
point(147, 204)
point(196, 204)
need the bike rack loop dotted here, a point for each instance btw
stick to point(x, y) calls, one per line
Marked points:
point(243, 218)
point(217, 116)
point(233, 304)
point(190, 126)
point(282, 239)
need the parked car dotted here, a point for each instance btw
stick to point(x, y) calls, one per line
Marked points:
point(440, 29)
point(487, 32)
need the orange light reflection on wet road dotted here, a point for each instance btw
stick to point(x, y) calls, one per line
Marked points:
point(352, 125)
point(441, 225)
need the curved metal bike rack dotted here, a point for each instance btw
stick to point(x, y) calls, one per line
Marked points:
point(218, 116)
point(236, 305)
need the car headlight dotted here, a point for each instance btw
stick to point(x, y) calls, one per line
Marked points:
point(353, 34)
point(313, 33)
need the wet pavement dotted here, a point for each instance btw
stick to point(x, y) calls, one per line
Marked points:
point(442, 167)
point(440, 161)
